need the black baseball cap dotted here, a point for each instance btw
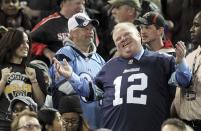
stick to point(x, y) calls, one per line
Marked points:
point(70, 104)
point(151, 18)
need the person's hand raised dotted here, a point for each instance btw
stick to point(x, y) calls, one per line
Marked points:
point(180, 51)
point(31, 73)
point(5, 73)
point(63, 69)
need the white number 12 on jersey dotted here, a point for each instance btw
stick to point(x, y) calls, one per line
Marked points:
point(130, 90)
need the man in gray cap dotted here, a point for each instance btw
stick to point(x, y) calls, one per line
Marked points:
point(125, 10)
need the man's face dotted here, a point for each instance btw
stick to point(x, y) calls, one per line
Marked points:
point(71, 121)
point(122, 13)
point(196, 30)
point(83, 35)
point(27, 123)
point(10, 7)
point(149, 33)
point(127, 41)
point(73, 6)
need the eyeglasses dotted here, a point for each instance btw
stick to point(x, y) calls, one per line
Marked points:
point(29, 127)
point(70, 122)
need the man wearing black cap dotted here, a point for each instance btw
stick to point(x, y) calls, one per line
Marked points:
point(49, 34)
point(152, 26)
point(80, 52)
point(71, 113)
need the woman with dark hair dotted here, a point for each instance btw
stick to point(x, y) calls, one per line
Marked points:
point(17, 78)
point(50, 120)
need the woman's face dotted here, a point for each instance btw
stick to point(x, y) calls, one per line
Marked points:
point(58, 123)
point(23, 50)
point(71, 121)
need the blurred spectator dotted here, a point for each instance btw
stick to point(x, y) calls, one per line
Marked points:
point(50, 120)
point(26, 121)
point(125, 10)
point(71, 113)
point(12, 16)
point(38, 9)
point(181, 13)
point(173, 124)
point(44, 68)
point(18, 78)
point(187, 101)
point(49, 34)
point(21, 103)
point(47, 80)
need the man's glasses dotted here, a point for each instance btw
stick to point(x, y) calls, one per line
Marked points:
point(29, 127)
point(71, 122)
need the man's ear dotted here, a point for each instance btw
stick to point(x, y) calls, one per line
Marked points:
point(161, 31)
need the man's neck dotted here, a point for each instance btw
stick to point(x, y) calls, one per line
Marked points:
point(66, 14)
point(156, 45)
point(85, 48)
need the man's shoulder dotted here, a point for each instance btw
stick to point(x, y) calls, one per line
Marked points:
point(47, 21)
point(66, 52)
point(158, 57)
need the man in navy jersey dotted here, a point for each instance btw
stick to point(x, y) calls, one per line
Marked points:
point(134, 87)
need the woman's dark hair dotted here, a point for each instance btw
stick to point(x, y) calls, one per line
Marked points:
point(46, 116)
point(10, 41)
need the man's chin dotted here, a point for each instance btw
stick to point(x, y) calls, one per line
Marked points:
point(126, 56)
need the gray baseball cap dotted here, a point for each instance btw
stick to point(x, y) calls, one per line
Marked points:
point(24, 99)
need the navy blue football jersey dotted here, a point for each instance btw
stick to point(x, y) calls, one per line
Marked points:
point(136, 96)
